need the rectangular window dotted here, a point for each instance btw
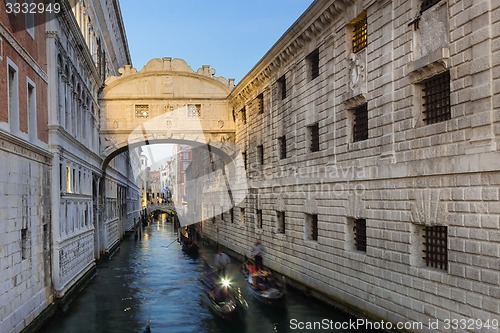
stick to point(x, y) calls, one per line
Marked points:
point(194, 110)
point(244, 155)
point(13, 96)
point(142, 110)
point(32, 128)
point(360, 127)
point(436, 95)
point(282, 147)
point(360, 234)
point(359, 33)
point(242, 216)
point(231, 212)
point(280, 226)
point(260, 103)
point(313, 133)
point(24, 244)
point(259, 218)
point(282, 86)
point(426, 4)
point(244, 115)
point(312, 227)
point(436, 247)
point(260, 154)
point(312, 61)
point(68, 179)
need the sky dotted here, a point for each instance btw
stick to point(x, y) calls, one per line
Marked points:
point(230, 36)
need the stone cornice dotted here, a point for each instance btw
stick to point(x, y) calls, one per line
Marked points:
point(25, 149)
point(309, 25)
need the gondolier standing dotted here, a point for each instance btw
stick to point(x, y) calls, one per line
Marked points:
point(258, 250)
point(221, 261)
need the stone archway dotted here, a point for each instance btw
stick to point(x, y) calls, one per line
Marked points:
point(168, 102)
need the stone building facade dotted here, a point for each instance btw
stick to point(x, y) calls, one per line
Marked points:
point(86, 44)
point(56, 219)
point(25, 279)
point(371, 137)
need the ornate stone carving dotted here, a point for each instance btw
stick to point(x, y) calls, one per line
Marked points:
point(428, 208)
point(220, 123)
point(356, 70)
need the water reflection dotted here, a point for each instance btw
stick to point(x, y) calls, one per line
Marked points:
point(152, 279)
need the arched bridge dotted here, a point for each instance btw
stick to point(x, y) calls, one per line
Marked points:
point(166, 102)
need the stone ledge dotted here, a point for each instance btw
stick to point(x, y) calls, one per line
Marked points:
point(429, 65)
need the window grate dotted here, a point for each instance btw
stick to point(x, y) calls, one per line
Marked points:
point(313, 227)
point(244, 155)
point(436, 95)
point(259, 218)
point(436, 247)
point(314, 135)
point(244, 115)
point(194, 110)
point(359, 35)
point(260, 103)
point(282, 144)
point(260, 154)
point(360, 234)
point(142, 110)
point(281, 222)
point(427, 4)
point(282, 86)
point(313, 61)
point(360, 128)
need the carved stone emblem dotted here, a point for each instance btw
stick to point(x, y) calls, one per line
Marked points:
point(220, 123)
point(356, 70)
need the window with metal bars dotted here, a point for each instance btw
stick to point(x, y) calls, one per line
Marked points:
point(360, 127)
point(260, 103)
point(312, 226)
point(313, 64)
point(359, 33)
point(282, 147)
point(436, 96)
point(244, 115)
point(426, 4)
point(360, 234)
point(194, 110)
point(244, 155)
point(259, 218)
point(242, 216)
point(313, 137)
point(280, 227)
point(142, 110)
point(260, 154)
point(436, 247)
point(282, 86)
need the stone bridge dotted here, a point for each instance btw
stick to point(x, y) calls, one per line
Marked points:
point(166, 102)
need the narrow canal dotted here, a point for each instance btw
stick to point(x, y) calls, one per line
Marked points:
point(151, 279)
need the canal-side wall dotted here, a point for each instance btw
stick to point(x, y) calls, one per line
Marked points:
point(399, 219)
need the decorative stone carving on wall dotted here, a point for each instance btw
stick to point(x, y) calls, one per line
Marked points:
point(115, 124)
point(220, 123)
point(356, 70)
point(427, 207)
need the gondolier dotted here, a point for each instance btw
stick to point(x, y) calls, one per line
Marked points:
point(258, 250)
point(221, 261)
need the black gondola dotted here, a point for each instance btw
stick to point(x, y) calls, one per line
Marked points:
point(225, 300)
point(264, 285)
point(188, 244)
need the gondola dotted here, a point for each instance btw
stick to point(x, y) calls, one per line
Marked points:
point(264, 285)
point(225, 300)
point(188, 245)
